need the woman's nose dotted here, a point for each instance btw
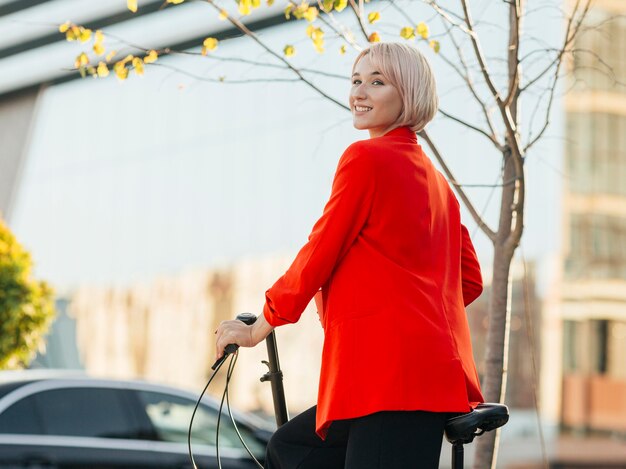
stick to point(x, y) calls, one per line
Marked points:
point(358, 91)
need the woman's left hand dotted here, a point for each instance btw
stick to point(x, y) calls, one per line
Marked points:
point(237, 332)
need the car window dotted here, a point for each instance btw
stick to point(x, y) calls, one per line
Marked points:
point(170, 416)
point(89, 412)
point(21, 418)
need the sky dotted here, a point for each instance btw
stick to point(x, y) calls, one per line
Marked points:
point(165, 173)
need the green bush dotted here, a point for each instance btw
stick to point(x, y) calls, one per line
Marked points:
point(26, 305)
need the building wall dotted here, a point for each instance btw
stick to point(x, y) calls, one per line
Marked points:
point(593, 288)
point(163, 331)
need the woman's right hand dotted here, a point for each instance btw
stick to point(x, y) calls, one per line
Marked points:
point(237, 332)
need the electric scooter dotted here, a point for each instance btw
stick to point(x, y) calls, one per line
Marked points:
point(459, 430)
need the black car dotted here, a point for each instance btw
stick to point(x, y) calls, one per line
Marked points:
point(86, 423)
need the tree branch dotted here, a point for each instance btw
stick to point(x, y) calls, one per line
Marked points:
point(358, 12)
point(469, 81)
point(458, 189)
point(447, 15)
point(479, 54)
point(513, 58)
point(223, 79)
point(567, 40)
point(491, 138)
point(239, 25)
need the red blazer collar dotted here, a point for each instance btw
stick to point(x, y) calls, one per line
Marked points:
point(402, 132)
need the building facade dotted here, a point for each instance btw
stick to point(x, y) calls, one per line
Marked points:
point(593, 265)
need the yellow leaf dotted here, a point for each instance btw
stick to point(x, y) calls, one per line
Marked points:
point(340, 4)
point(289, 50)
point(132, 5)
point(85, 34)
point(299, 11)
point(120, 70)
point(422, 30)
point(342, 49)
point(98, 48)
point(288, 10)
point(223, 15)
point(374, 37)
point(270, 3)
point(373, 17)
point(210, 43)
point(407, 32)
point(81, 60)
point(310, 14)
point(256, 3)
point(91, 70)
point(128, 58)
point(138, 65)
point(327, 5)
point(319, 46)
point(110, 55)
point(99, 39)
point(151, 57)
point(317, 35)
point(103, 70)
point(122, 73)
point(73, 33)
point(64, 27)
point(435, 45)
point(309, 30)
point(245, 7)
point(175, 2)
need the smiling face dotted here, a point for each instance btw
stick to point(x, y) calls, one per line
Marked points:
point(374, 102)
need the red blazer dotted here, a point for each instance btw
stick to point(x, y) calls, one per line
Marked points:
point(396, 268)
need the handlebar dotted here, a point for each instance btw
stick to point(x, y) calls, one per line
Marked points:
point(274, 374)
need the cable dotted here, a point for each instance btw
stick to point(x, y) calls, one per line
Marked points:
point(231, 366)
point(225, 395)
point(193, 414)
point(237, 431)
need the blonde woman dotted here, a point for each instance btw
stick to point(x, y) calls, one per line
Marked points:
point(396, 269)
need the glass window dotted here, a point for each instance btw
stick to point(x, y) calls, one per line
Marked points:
point(21, 418)
point(170, 416)
point(617, 349)
point(571, 347)
point(599, 336)
point(89, 412)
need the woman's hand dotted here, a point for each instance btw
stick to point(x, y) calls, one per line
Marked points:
point(236, 332)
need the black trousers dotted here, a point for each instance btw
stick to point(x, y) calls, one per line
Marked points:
point(384, 440)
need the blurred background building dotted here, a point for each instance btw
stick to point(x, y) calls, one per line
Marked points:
point(163, 205)
point(593, 286)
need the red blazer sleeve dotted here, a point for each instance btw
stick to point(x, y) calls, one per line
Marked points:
point(344, 215)
point(471, 277)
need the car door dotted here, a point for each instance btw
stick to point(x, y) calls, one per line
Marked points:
point(166, 417)
point(73, 428)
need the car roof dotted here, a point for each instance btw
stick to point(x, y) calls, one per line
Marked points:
point(13, 380)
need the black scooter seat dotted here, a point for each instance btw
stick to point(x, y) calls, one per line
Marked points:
point(485, 417)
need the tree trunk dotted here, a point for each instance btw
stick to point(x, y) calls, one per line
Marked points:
point(494, 380)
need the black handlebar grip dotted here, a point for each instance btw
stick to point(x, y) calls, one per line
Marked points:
point(246, 318)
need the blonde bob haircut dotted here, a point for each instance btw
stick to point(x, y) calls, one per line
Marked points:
point(409, 72)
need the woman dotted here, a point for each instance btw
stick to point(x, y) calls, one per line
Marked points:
point(396, 269)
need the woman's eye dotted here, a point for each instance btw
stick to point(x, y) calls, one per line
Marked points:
point(356, 82)
point(377, 82)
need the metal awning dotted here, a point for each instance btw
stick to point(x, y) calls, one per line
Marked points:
point(33, 52)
